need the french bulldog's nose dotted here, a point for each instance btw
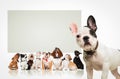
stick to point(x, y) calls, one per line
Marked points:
point(85, 38)
point(78, 36)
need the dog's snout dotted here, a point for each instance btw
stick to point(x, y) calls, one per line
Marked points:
point(85, 38)
point(78, 36)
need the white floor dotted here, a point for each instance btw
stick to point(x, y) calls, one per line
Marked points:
point(46, 74)
point(34, 74)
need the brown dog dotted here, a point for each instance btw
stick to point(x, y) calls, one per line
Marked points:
point(57, 61)
point(14, 63)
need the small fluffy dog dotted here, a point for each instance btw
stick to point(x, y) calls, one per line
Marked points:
point(30, 61)
point(38, 62)
point(67, 64)
point(23, 61)
point(47, 61)
point(96, 55)
point(14, 63)
point(57, 61)
point(77, 60)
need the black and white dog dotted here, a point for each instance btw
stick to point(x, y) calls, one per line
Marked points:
point(96, 55)
point(23, 61)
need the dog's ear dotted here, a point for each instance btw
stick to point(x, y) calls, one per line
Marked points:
point(70, 58)
point(53, 53)
point(73, 28)
point(12, 58)
point(60, 54)
point(91, 23)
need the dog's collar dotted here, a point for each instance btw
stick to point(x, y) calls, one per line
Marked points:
point(91, 52)
point(45, 59)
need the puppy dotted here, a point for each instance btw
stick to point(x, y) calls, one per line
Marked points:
point(14, 63)
point(77, 60)
point(37, 64)
point(96, 55)
point(30, 61)
point(47, 61)
point(57, 61)
point(23, 61)
point(67, 64)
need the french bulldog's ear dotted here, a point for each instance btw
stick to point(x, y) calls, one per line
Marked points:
point(73, 28)
point(91, 23)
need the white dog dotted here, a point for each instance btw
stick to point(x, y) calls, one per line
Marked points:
point(38, 62)
point(96, 55)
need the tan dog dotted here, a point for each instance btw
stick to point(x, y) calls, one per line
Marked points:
point(14, 63)
point(67, 64)
point(47, 62)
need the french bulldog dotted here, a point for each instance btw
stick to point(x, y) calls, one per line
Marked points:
point(96, 55)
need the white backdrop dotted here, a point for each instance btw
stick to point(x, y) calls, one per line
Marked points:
point(41, 30)
point(106, 12)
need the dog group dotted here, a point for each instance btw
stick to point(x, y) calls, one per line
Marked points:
point(47, 61)
point(96, 55)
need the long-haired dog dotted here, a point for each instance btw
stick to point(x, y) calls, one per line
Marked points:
point(57, 61)
point(30, 61)
point(38, 62)
point(14, 63)
point(47, 61)
point(77, 60)
point(96, 55)
point(23, 61)
point(67, 64)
